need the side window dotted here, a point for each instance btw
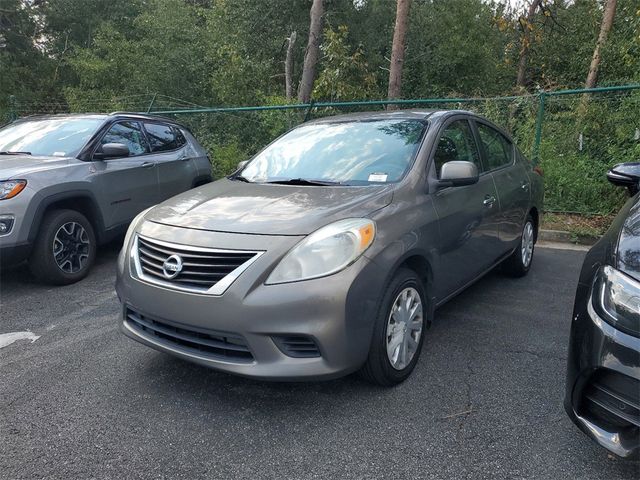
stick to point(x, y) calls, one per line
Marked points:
point(456, 143)
point(180, 140)
point(161, 137)
point(498, 149)
point(129, 134)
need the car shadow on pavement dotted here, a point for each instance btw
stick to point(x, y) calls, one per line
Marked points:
point(17, 276)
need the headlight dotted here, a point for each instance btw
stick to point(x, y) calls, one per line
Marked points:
point(11, 188)
point(127, 238)
point(616, 298)
point(328, 250)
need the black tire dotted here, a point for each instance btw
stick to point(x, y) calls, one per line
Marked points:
point(378, 368)
point(515, 265)
point(42, 262)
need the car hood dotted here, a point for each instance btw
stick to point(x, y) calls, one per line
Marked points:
point(16, 166)
point(233, 206)
point(628, 249)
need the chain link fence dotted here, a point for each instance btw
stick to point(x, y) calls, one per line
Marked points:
point(574, 135)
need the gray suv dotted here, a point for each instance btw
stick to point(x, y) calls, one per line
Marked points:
point(329, 251)
point(71, 182)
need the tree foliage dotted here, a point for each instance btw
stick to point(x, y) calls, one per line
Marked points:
point(102, 55)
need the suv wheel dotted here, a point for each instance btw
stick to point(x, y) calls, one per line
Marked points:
point(65, 248)
point(398, 332)
point(519, 263)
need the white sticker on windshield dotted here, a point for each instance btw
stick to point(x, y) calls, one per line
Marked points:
point(58, 154)
point(377, 177)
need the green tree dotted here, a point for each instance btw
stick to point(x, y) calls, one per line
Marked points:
point(345, 74)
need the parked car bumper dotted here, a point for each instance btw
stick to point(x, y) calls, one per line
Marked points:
point(259, 330)
point(603, 381)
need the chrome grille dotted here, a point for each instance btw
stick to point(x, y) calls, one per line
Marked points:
point(212, 344)
point(201, 270)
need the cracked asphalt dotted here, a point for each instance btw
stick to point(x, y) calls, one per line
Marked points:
point(83, 401)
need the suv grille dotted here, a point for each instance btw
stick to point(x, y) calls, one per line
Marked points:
point(214, 345)
point(188, 268)
point(612, 399)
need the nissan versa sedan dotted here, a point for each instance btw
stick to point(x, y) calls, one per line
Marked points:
point(603, 376)
point(328, 252)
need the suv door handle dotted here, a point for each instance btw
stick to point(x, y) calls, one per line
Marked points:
point(524, 186)
point(147, 165)
point(489, 200)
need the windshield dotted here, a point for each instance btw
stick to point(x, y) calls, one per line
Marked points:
point(59, 137)
point(353, 153)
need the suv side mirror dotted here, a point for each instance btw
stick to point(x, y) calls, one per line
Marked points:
point(626, 175)
point(112, 150)
point(458, 173)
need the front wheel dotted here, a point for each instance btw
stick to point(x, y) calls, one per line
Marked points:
point(65, 248)
point(398, 332)
point(519, 263)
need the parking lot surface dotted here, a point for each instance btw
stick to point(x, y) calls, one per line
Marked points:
point(83, 401)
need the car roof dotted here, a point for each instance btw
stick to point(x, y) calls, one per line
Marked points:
point(101, 116)
point(408, 114)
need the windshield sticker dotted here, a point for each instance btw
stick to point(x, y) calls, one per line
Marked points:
point(377, 177)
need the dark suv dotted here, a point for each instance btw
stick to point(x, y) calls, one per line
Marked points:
point(71, 182)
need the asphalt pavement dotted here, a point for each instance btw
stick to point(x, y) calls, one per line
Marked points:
point(485, 401)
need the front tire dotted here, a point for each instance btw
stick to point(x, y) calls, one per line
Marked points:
point(65, 248)
point(398, 332)
point(519, 263)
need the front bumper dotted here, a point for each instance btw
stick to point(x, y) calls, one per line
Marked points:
point(603, 381)
point(336, 313)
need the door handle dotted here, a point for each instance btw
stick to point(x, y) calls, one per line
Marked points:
point(524, 186)
point(489, 200)
point(147, 165)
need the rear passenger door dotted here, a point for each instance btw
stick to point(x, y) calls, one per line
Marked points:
point(173, 155)
point(511, 179)
point(127, 185)
point(467, 215)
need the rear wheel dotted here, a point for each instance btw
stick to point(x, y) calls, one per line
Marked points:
point(398, 332)
point(65, 248)
point(519, 263)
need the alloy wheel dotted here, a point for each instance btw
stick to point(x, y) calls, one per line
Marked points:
point(71, 247)
point(527, 244)
point(404, 328)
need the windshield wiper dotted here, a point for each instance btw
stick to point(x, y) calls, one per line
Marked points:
point(305, 181)
point(15, 153)
point(240, 178)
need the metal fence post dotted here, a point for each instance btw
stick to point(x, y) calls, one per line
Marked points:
point(308, 113)
point(153, 100)
point(13, 114)
point(539, 121)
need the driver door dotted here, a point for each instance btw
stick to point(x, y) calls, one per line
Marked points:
point(467, 215)
point(127, 185)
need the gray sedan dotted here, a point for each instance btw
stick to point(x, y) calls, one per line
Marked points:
point(329, 251)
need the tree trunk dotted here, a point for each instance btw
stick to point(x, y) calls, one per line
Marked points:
point(288, 67)
point(397, 49)
point(605, 28)
point(312, 53)
point(525, 42)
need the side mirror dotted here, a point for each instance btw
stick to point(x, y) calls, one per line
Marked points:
point(241, 165)
point(626, 175)
point(112, 150)
point(458, 173)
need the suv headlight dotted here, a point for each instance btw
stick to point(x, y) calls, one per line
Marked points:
point(11, 188)
point(326, 251)
point(616, 298)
